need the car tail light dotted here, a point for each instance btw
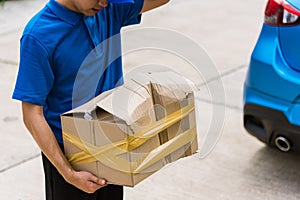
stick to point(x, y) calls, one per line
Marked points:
point(281, 13)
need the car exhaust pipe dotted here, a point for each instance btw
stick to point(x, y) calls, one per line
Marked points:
point(282, 143)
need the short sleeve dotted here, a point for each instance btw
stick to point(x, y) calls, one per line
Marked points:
point(131, 12)
point(35, 77)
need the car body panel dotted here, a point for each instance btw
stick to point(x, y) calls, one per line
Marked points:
point(289, 39)
point(268, 71)
point(294, 3)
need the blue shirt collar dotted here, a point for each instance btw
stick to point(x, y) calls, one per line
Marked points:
point(63, 13)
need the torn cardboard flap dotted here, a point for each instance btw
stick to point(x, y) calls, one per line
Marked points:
point(129, 102)
point(91, 105)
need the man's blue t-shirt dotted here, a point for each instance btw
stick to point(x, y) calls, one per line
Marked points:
point(67, 58)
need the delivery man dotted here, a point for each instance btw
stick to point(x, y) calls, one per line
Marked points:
point(53, 47)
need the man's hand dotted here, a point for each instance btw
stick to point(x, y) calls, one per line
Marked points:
point(86, 181)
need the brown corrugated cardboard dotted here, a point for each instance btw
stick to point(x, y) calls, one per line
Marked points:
point(114, 141)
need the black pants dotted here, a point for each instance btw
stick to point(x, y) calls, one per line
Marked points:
point(58, 189)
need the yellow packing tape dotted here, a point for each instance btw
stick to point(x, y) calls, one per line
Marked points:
point(166, 149)
point(109, 154)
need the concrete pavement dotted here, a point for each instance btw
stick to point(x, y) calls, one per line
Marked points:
point(239, 167)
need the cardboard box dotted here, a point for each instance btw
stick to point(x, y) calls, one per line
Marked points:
point(126, 134)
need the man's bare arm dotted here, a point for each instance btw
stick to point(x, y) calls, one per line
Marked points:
point(151, 4)
point(35, 122)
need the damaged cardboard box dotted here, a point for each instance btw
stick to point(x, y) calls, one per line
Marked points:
point(126, 134)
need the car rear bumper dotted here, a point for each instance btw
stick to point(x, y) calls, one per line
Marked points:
point(267, 124)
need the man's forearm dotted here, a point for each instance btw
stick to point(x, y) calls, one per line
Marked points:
point(151, 4)
point(37, 125)
point(41, 132)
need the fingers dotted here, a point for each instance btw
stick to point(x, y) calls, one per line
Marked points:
point(92, 187)
point(98, 181)
point(87, 182)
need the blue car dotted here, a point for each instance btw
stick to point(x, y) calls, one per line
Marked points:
point(272, 86)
